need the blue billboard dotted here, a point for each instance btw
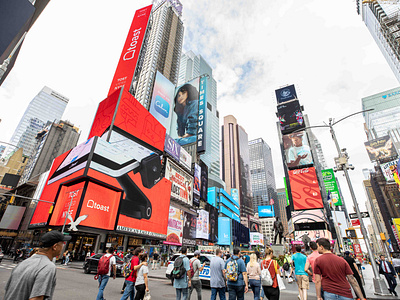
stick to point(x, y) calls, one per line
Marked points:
point(212, 196)
point(224, 231)
point(235, 195)
point(266, 211)
point(286, 93)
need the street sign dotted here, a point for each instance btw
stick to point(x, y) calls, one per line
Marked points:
point(355, 222)
point(364, 214)
point(351, 233)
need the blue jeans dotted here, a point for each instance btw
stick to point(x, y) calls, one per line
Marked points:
point(182, 293)
point(220, 291)
point(129, 290)
point(255, 287)
point(330, 296)
point(103, 280)
point(236, 292)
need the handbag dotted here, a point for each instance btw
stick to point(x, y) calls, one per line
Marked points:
point(147, 296)
point(281, 284)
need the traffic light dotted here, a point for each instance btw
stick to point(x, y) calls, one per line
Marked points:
point(351, 233)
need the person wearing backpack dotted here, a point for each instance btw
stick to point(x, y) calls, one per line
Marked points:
point(269, 273)
point(236, 275)
point(130, 277)
point(299, 260)
point(106, 264)
point(182, 275)
point(195, 269)
point(127, 260)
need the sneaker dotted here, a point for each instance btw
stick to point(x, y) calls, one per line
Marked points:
point(298, 297)
point(394, 292)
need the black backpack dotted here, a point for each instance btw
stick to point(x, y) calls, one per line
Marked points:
point(179, 270)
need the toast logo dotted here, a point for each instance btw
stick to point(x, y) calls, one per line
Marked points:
point(162, 106)
point(94, 205)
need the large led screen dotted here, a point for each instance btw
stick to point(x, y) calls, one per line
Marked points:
point(212, 223)
point(305, 189)
point(224, 231)
point(182, 183)
point(290, 116)
point(162, 100)
point(204, 181)
point(202, 225)
point(130, 53)
point(286, 93)
point(266, 211)
point(380, 148)
point(175, 227)
point(186, 113)
point(312, 234)
point(189, 229)
point(311, 219)
point(331, 186)
point(297, 150)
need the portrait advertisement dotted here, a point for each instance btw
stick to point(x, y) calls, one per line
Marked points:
point(297, 150)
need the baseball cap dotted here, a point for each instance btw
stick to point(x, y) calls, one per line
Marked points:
point(53, 237)
point(197, 252)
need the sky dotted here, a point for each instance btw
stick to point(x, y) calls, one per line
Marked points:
point(254, 47)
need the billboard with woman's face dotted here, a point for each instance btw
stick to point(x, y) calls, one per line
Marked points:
point(186, 113)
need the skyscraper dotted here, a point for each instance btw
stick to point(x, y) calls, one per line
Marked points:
point(48, 105)
point(282, 200)
point(262, 174)
point(163, 48)
point(236, 164)
point(192, 66)
point(382, 21)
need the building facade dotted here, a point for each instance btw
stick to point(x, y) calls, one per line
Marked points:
point(236, 164)
point(267, 229)
point(163, 48)
point(262, 174)
point(382, 21)
point(192, 66)
point(48, 105)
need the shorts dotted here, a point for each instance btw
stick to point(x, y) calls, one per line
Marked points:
point(303, 282)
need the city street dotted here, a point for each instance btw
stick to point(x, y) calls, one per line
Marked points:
point(72, 283)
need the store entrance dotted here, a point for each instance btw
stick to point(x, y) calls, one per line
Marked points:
point(80, 245)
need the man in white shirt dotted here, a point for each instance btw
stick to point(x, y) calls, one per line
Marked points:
point(103, 279)
point(217, 276)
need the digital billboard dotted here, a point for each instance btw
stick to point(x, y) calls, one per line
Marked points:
point(286, 93)
point(235, 195)
point(130, 53)
point(380, 148)
point(189, 229)
point(224, 231)
point(266, 211)
point(312, 234)
point(311, 219)
point(305, 189)
point(297, 150)
point(256, 238)
point(12, 217)
point(290, 116)
point(254, 224)
point(240, 233)
point(331, 186)
point(175, 227)
point(186, 113)
point(201, 126)
point(182, 183)
point(212, 223)
point(387, 169)
point(202, 225)
point(162, 100)
point(204, 181)
point(197, 178)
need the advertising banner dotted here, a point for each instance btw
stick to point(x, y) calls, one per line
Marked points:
point(12, 217)
point(256, 238)
point(130, 53)
point(331, 186)
point(290, 116)
point(235, 195)
point(387, 169)
point(175, 227)
point(308, 216)
point(355, 222)
point(312, 234)
point(186, 113)
point(212, 223)
point(266, 211)
point(197, 178)
point(182, 183)
point(189, 229)
point(396, 223)
point(305, 189)
point(172, 148)
point(201, 127)
point(297, 150)
point(204, 181)
point(202, 225)
point(254, 224)
point(185, 159)
point(240, 233)
point(162, 100)
point(224, 231)
point(339, 218)
point(380, 148)
point(286, 93)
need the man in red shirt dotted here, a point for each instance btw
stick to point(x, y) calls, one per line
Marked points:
point(335, 275)
point(130, 281)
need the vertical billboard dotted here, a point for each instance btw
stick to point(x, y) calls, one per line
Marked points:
point(212, 223)
point(286, 93)
point(204, 181)
point(380, 148)
point(182, 183)
point(186, 113)
point(305, 189)
point(387, 169)
point(235, 195)
point(201, 126)
point(290, 116)
point(130, 53)
point(340, 219)
point(161, 104)
point(175, 227)
point(189, 229)
point(331, 186)
point(202, 225)
point(224, 231)
point(297, 150)
point(197, 182)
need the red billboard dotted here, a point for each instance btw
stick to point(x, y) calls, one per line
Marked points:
point(305, 189)
point(130, 53)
